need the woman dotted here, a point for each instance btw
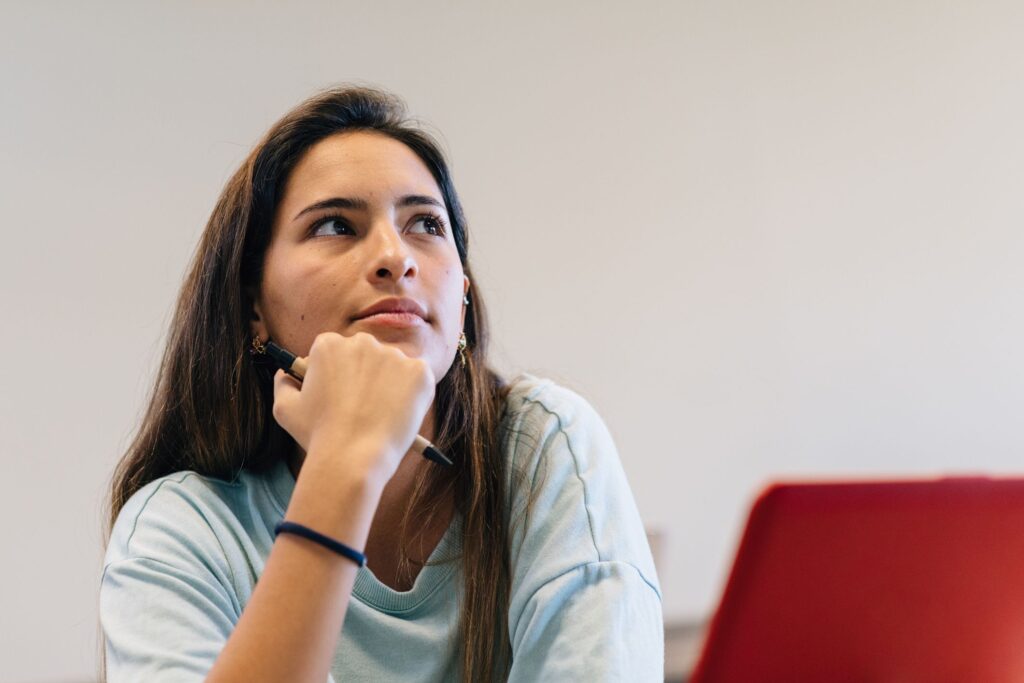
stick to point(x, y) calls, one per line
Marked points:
point(341, 239)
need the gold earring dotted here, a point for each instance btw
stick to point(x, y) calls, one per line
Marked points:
point(257, 345)
point(462, 348)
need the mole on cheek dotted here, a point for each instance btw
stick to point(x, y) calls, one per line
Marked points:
point(302, 317)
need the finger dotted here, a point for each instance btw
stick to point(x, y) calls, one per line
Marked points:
point(285, 383)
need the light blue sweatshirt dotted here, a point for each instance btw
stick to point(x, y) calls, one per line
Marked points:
point(186, 552)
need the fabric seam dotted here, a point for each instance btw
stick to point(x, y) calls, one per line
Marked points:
point(585, 565)
point(576, 469)
point(442, 580)
point(145, 504)
point(142, 558)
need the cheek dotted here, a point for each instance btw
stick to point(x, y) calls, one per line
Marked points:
point(305, 294)
point(451, 297)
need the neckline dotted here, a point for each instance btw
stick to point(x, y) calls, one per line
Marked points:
point(368, 588)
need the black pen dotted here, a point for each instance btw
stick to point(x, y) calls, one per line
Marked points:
point(296, 367)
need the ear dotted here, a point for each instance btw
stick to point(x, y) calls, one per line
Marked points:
point(465, 291)
point(257, 321)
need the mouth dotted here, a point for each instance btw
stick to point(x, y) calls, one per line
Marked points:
point(395, 311)
point(399, 319)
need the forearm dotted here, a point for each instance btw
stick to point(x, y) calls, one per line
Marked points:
point(290, 627)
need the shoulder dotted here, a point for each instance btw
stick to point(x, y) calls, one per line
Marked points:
point(538, 398)
point(549, 425)
point(537, 408)
point(175, 577)
point(571, 506)
point(564, 467)
point(185, 514)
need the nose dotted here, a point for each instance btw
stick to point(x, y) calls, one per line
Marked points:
point(391, 259)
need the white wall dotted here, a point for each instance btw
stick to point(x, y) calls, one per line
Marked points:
point(764, 238)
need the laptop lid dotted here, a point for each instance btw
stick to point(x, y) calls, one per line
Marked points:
point(896, 581)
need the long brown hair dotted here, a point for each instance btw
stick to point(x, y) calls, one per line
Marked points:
point(210, 408)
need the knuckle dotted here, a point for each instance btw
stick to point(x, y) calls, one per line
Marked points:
point(422, 368)
point(325, 338)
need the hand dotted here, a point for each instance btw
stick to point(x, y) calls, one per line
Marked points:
point(360, 398)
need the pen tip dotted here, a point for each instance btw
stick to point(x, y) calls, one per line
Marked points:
point(437, 456)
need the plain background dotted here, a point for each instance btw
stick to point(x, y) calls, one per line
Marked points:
point(765, 239)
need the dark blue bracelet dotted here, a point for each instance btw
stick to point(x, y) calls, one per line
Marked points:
point(327, 542)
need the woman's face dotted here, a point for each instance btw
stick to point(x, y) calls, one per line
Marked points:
point(362, 222)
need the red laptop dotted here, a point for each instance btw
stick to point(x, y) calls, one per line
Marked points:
point(901, 582)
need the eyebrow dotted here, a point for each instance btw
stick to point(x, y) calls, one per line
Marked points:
point(362, 205)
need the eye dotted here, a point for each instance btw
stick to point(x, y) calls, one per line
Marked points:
point(432, 225)
point(337, 226)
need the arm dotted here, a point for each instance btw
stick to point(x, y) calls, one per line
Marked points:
point(355, 416)
point(586, 604)
point(172, 606)
point(290, 628)
point(598, 622)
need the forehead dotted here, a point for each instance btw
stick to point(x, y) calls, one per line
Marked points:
point(358, 164)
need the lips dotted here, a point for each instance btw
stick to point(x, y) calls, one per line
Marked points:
point(393, 305)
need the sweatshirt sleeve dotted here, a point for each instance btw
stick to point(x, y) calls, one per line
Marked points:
point(167, 605)
point(585, 603)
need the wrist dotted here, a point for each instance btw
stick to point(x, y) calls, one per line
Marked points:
point(335, 499)
point(363, 463)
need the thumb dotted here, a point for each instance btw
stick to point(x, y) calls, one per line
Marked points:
point(285, 385)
